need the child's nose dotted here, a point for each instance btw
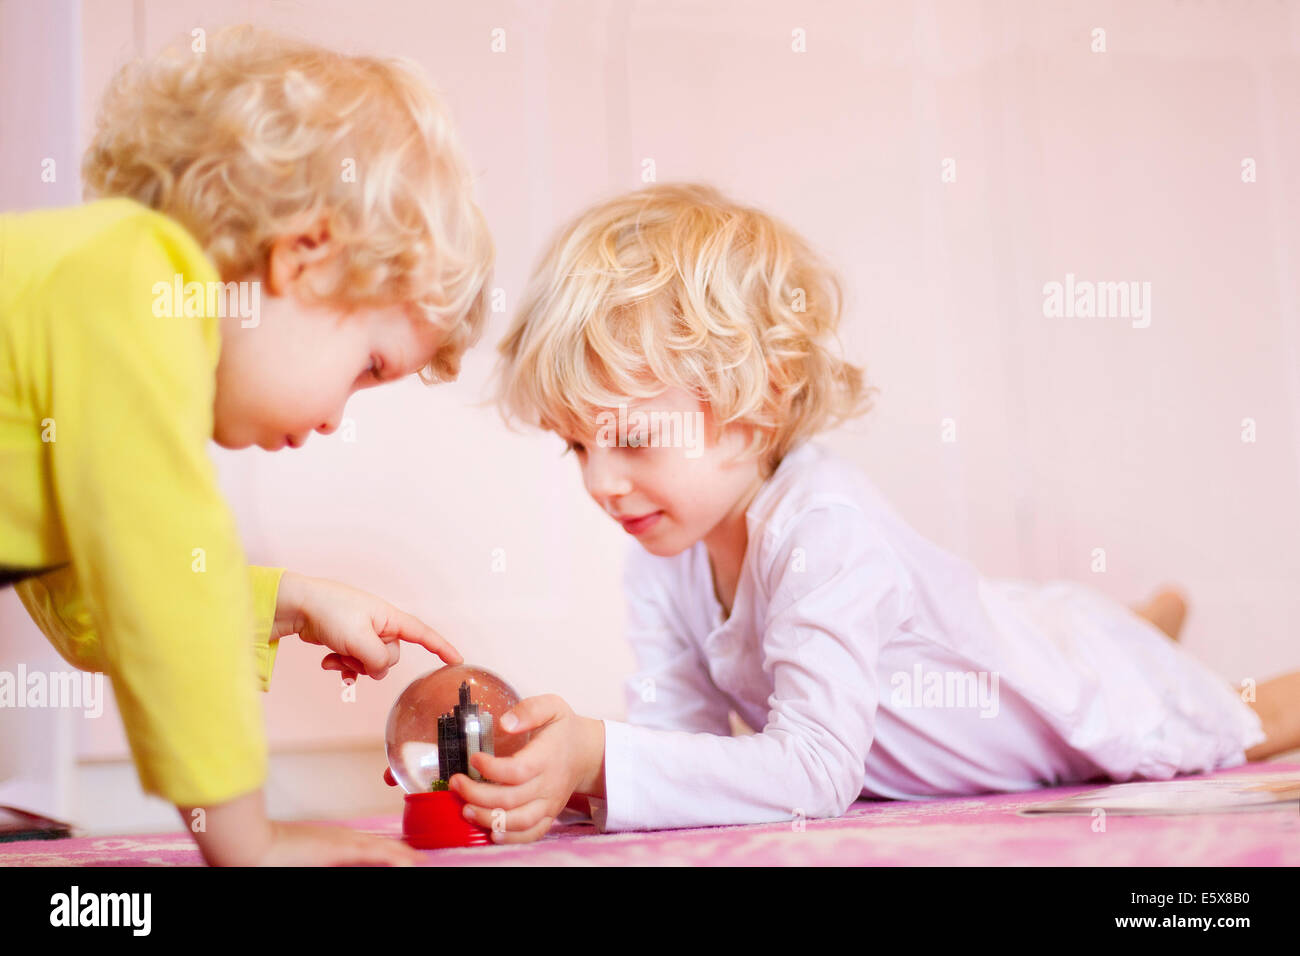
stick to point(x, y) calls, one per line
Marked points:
point(328, 427)
point(604, 478)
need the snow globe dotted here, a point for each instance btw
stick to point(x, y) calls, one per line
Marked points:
point(435, 726)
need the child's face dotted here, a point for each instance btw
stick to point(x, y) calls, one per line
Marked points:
point(294, 372)
point(671, 496)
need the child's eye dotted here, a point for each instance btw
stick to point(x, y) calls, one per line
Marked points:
point(576, 447)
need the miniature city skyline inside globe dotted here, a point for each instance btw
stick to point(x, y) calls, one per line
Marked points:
point(441, 720)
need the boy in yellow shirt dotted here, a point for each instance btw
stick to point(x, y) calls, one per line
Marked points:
point(279, 226)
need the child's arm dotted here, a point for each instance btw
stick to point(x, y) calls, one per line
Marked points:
point(829, 615)
point(671, 689)
point(828, 618)
point(363, 632)
point(238, 833)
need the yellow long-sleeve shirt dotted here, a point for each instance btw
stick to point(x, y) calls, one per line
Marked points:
point(111, 518)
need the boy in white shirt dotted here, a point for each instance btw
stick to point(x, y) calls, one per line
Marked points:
point(678, 343)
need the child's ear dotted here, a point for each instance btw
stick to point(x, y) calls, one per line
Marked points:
point(294, 258)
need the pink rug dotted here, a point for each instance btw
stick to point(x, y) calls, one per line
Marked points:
point(961, 831)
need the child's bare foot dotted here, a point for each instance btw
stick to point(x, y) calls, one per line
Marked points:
point(1277, 702)
point(1166, 611)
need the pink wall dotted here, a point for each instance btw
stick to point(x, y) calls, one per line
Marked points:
point(1072, 433)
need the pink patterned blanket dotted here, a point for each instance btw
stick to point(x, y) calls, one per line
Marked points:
point(954, 832)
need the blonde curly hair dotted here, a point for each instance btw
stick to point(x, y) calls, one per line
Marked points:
point(253, 139)
point(676, 285)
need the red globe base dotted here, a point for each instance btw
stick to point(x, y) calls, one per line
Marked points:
point(436, 820)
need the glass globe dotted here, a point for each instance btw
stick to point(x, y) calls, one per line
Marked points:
point(444, 717)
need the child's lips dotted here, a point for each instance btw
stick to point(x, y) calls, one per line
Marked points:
point(635, 526)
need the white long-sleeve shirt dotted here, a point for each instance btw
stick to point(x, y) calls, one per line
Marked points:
point(878, 664)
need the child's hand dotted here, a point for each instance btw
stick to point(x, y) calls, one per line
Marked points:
point(565, 755)
point(301, 844)
point(363, 631)
point(237, 833)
